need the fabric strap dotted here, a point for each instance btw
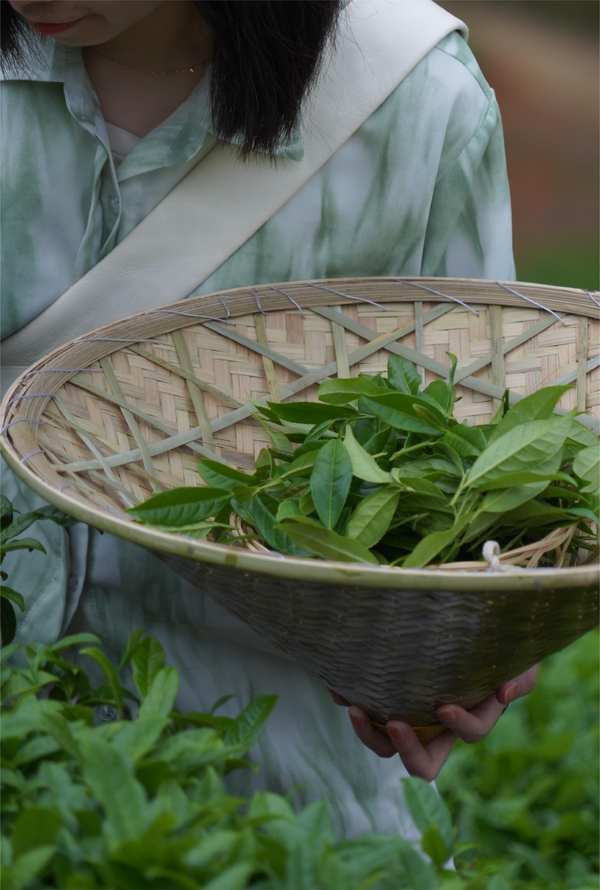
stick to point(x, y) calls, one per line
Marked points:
point(222, 201)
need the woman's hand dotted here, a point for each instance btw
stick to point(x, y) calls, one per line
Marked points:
point(471, 726)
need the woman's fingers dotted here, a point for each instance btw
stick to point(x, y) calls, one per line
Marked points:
point(521, 685)
point(471, 726)
point(369, 735)
point(420, 760)
point(425, 762)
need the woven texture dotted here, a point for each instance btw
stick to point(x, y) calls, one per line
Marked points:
point(101, 423)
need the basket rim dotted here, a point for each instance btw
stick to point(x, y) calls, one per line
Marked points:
point(312, 569)
point(306, 569)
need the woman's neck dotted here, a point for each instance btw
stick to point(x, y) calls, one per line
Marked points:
point(171, 37)
point(133, 73)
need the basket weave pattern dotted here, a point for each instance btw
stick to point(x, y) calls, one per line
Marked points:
point(164, 388)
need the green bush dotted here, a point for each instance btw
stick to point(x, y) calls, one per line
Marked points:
point(527, 795)
point(93, 802)
point(92, 799)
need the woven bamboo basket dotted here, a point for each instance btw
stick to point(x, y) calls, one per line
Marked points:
point(102, 422)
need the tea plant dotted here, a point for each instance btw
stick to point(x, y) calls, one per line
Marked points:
point(10, 529)
point(142, 803)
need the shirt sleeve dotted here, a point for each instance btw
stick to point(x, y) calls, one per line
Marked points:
point(469, 230)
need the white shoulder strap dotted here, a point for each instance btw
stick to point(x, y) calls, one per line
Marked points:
point(222, 201)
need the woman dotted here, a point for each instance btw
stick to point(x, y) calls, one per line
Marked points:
point(102, 121)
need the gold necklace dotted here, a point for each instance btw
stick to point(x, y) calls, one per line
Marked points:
point(188, 70)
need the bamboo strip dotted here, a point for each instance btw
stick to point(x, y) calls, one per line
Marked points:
point(194, 390)
point(339, 345)
point(419, 336)
point(582, 351)
point(95, 495)
point(571, 377)
point(257, 347)
point(109, 373)
point(261, 336)
point(496, 352)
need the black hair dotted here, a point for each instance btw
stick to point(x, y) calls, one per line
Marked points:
point(266, 55)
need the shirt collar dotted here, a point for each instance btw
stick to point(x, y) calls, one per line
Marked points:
point(54, 62)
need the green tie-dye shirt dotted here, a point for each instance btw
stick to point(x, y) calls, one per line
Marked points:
point(419, 189)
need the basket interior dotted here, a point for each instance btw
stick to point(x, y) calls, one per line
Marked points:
point(162, 389)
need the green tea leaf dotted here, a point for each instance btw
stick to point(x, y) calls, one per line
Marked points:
point(502, 500)
point(34, 827)
point(148, 660)
point(467, 441)
point(403, 375)
point(433, 844)
point(235, 877)
point(111, 676)
point(587, 467)
point(161, 695)
point(538, 406)
point(311, 412)
point(301, 465)
point(12, 595)
point(23, 544)
point(330, 481)
point(181, 506)
point(264, 511)
point(398, 410)
point(442, 393)
point(6, 508)
point(426, 466)
point(317, 431)
point(527, 446)
point(306, 503)
point(219, 475)
point(425, 413)
point(371, 519)
point(248, 726)
point(428, 808)
point(23, 870)
point(7, 651)
point(582, 435)
point(326, 543)
point(430, 546)
point(448, 452)
point(341, 391)
point(364, 466)
point(133, 642)
point(526, 477)
point(75, 640)
point(288, 510)
point(109, 773)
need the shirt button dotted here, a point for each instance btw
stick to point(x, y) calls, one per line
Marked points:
point(114, 202)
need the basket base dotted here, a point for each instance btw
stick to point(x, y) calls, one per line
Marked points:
point(425, 734)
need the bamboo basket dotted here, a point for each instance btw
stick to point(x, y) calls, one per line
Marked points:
point(100, 423)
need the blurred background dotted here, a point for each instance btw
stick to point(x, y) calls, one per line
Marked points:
point(541, 58)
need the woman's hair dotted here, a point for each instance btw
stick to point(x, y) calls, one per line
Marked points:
point(266, 55)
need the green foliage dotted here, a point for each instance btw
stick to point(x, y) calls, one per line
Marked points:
point(527, 795)
point(10, 529)
point(384, 474)
point(141, 803)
